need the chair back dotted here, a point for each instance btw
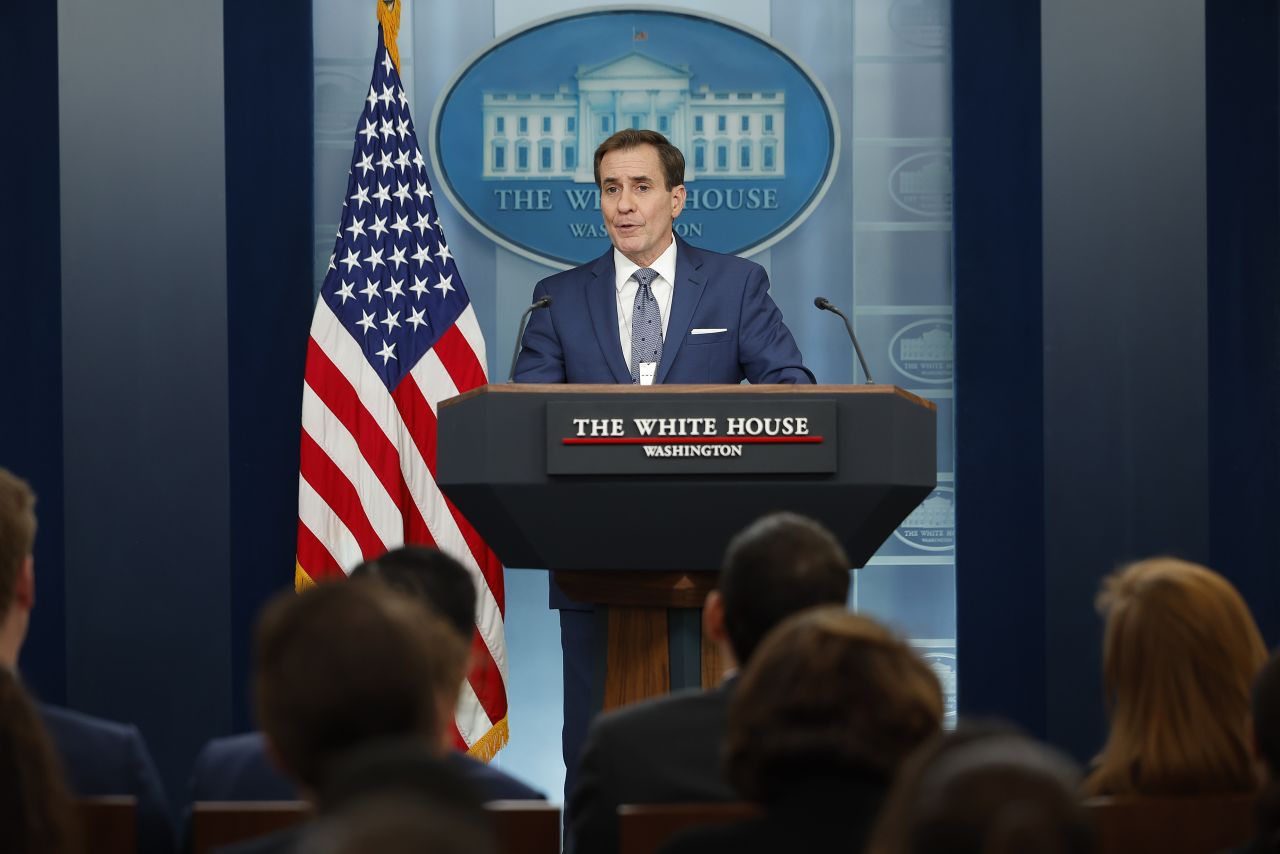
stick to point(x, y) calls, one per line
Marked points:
point(526, 827)
point(109, 824)
point(1176, 825)
point(218, 823)
point(644, 828)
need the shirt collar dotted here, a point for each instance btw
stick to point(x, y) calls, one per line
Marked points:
point(665, 266)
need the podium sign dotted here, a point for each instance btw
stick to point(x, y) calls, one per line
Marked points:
point(543, 503)
point(660, 436)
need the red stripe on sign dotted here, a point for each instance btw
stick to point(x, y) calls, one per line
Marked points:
point(695, 440)
point(314, 558)
point(336, 490)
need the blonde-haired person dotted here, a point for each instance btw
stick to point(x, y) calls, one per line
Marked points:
point(827, 709)
point(1180, 654)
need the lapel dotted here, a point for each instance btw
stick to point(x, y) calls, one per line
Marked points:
point(688, 290)
point(602, 303)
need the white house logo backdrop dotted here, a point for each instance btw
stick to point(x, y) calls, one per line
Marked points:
point(516, 130)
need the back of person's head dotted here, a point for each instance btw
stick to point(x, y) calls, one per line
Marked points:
point(17, 533)
point(35, 808)
point(347, 663)
point(778, 566)
point(985, 794)
point(828, 694)
point(397, 796)
point(1266, 736)
point(1180, 653)
point(438, 580)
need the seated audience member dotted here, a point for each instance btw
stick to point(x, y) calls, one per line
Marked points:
point(984, 792)
point(668, 749)
point(1266, 740)
point(829, 707)
point(343, 666)
point(397, 796)
point(236, 768)
point(1180, 654)
point(36, 813)
point(99, 757)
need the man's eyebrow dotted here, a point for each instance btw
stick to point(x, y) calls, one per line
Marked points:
point(635, 179)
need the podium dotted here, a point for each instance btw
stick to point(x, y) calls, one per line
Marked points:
point(630, 494)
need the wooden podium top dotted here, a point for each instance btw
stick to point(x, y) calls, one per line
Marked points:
point(613, 388)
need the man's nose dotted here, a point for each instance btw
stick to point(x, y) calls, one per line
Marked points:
point(626, 201)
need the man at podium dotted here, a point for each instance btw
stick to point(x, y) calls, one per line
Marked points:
point(652, 309)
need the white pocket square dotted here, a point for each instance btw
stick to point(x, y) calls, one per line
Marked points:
point(705, 331)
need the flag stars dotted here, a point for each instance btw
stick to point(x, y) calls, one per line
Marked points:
point(443, 252)
point(361, 197)
point(384, 162)
point(345, 292)
point(402, 162)
point(386, 63)
point(367, 322)
point(419, 287)
point(373, 96)
point(374, 258)
point(391, 321)
point(356, 228)
point(404, 99)
point(445, 285)
point(352, 260)
point(421, 256)
point(397, 257)
point(365, 165)
point(370, 129)
point(421, 223)
point(401, 225)
point(402, 128)
point(416, 318)
point(396, 289)
point(387, 352)
point(418, 161)
point(383, 196)
point(402, 193)
point(379, 226)
point(386, 96)
point(386, 129)
point(420, 191)
point(370, 290)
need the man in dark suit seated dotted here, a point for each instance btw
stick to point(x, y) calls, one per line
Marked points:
point(100, 757)
point(237, 768)
point(345, 666)
point(668, 750)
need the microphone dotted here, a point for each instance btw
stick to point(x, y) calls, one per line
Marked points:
point(825, 304)
point(524, 320)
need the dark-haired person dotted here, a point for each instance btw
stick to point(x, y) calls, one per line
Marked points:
point(1266, 743)
point(668, 749)
point(237, 768)
point(652, 309)
point(100, 757)
point(342, 667)
point(984, 790)
point(36, 813)
point(828, 708)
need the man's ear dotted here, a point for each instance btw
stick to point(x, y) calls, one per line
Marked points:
point(24, 591)
point(677, 200)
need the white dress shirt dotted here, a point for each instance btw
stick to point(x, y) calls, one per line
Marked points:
point(663, 288)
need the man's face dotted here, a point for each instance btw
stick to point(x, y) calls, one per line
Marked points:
point(637, 206)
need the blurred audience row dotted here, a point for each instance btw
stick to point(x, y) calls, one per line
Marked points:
point(828, 722)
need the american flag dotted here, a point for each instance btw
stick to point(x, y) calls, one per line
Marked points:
point(394, 334)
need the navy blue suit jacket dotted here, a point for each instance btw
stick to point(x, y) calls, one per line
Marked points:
point(575, 339)
point(106, 758)
point(236, 768)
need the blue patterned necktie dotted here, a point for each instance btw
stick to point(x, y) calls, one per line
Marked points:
point(646, 323)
